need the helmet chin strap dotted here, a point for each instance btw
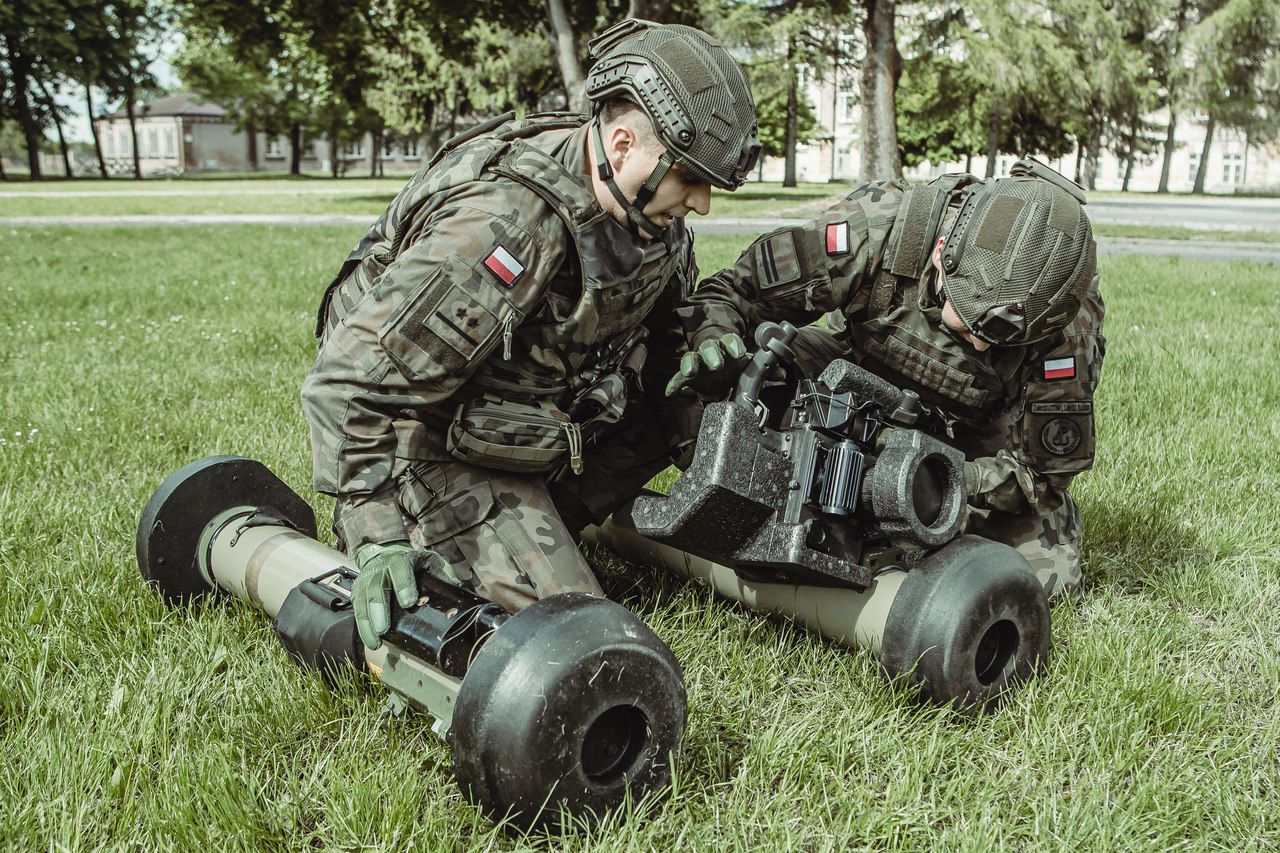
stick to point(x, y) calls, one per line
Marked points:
point(634, 208)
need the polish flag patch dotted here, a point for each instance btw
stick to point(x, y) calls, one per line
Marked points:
point(1060, 368)
point(504, 265)
point(837, 238)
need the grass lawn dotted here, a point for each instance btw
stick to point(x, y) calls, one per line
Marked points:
point(127, 353)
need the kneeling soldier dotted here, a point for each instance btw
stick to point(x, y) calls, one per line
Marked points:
point(490, 330)
point(981, 296)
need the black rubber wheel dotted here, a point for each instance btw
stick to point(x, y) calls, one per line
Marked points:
point(969, 623)
point(169, 530)
point(573, 703)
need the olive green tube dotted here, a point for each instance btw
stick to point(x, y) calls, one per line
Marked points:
point(852, 618)
point(264, 563)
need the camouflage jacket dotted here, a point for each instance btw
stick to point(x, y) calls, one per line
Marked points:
point(1024, 415)
point(494, 273)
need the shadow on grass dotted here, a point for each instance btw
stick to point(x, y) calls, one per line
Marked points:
point(1129, 546)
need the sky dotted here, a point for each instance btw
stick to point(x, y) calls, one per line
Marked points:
point(77, 126)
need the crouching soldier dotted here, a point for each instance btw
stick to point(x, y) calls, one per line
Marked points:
point(981, 296)
point(480, 392)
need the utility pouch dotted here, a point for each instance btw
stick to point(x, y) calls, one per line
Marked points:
point(525, 437)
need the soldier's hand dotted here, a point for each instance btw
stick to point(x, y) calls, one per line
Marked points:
point(711, 370)
point(384, 568)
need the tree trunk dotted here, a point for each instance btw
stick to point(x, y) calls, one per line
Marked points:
point(1131, 153)
point(375, 160)
point(129, 107)
point(793, 124)
point(993, 141)
point(3, 176)
point(648, 10)
point(968, 163)
point(251, 131)
point(566, 50)
point(880, 157)
point(1091, 153)
point(20, 68)
point(1203, 168)
point(1079, 159)
point(93, 130)
point(334, 171)
point(52, 107)
point(1169, 144)
point(295, 149)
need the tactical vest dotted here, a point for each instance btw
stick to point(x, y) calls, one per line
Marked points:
point(901, 337)
point(567, 351)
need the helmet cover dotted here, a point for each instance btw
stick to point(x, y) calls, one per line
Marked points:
point(1020, 256)
point(692, 90)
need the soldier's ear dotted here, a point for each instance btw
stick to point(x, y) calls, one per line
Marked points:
point(619, 141)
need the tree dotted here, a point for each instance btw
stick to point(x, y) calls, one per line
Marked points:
point(880, 71)
point(1236, 76)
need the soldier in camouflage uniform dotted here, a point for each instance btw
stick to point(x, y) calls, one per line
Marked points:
point(980, 296)
point(481, 391)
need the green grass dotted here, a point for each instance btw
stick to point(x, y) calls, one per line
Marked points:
point(127, 353)
point(1170, 232)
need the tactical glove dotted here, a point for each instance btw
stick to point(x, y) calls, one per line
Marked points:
point(383, 568)
point(711, 370)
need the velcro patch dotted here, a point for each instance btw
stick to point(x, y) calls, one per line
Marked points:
point(504, 265)
point(838, 238)
point(1078, 407)
point(1060, 368)
point(776, 260)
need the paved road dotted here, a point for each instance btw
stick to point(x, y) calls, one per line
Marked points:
point(1212, 213)
point(1209, 250)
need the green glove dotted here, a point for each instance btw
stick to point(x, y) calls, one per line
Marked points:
point(383, 568)
point(711, 370)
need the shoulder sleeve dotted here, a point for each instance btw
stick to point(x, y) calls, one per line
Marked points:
point(1055, 434)
point(437, 311)
point(800, 272)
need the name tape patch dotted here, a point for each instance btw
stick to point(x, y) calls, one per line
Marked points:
point(504, 265)
point(1078, 407)
point(1060, 368)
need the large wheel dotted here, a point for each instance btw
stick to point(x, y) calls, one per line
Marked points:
point(574, 702)
point(169, 531)
point(970, 623)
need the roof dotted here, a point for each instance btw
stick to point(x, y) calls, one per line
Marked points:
point(180, 104)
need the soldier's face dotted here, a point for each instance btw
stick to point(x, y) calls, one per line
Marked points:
point(633, 162)
point(950, 318)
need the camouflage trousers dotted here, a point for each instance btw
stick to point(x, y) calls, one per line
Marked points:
point(511, 538)
point(1050, 541)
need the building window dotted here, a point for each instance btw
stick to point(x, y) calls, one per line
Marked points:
point(153, 142)
point(353, 150)
point(168, 142)
point(274, 147)
point(1193, 167)
point(126, 142)
point(846, 100)
point(1233, 169)
point(411, 148)
point(388, 147)
point(110, 139)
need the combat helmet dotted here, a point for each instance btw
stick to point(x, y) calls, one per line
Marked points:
point(1020, 256)
point(695, 96)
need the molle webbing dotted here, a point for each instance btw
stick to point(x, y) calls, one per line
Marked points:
point(918, 225)
point(929, 373)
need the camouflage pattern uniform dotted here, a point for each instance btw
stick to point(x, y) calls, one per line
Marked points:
point(1022, 414)
point(496, 305)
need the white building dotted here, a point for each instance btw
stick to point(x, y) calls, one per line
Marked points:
point(181, 133)
point(1233, 165)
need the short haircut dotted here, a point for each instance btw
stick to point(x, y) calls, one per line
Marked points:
point(620, 111)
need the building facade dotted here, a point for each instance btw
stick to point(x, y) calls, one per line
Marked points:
point(181, 133)
point(1234, 165)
